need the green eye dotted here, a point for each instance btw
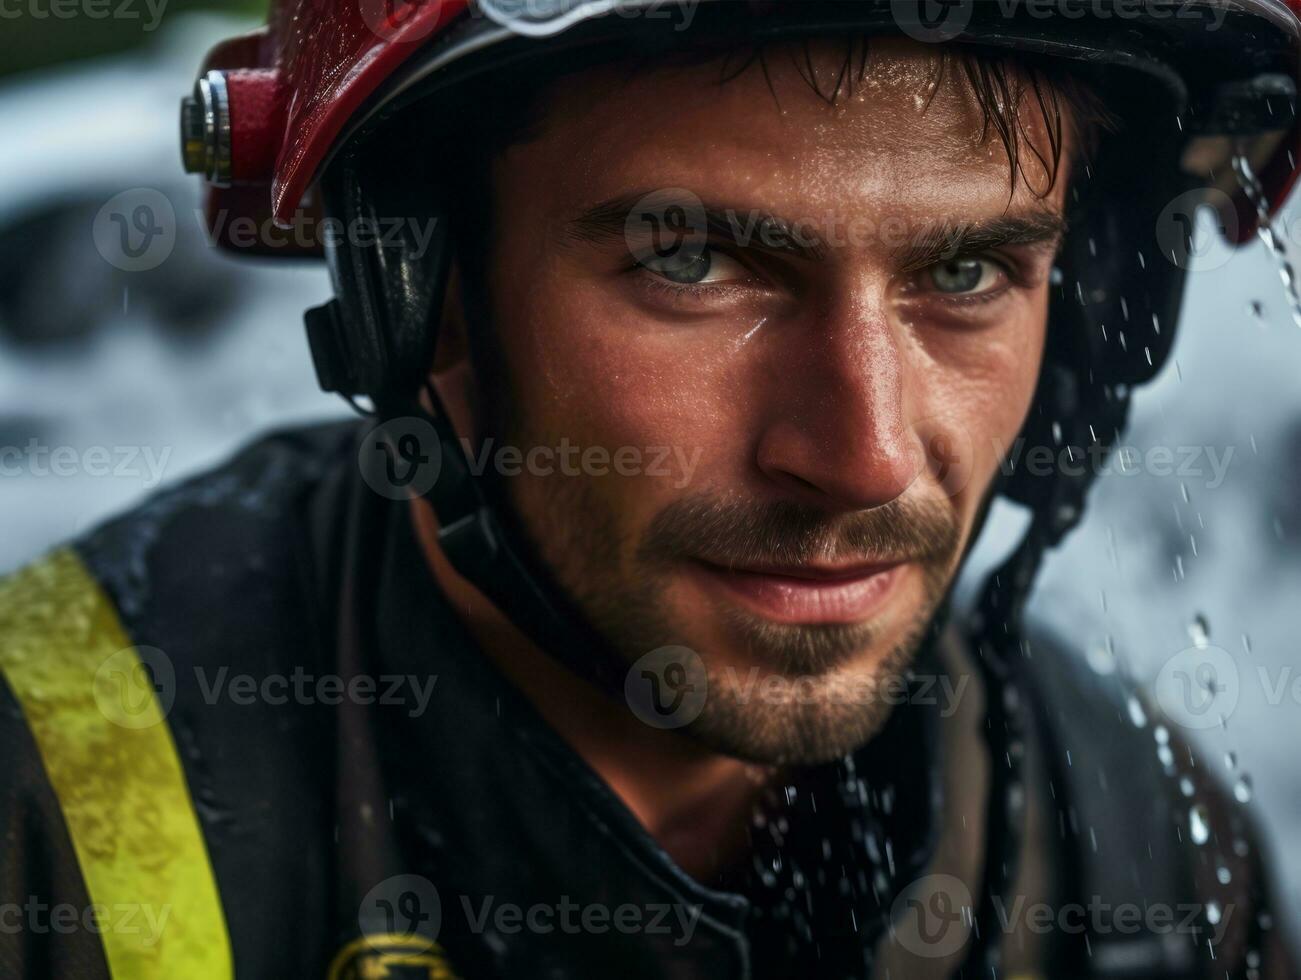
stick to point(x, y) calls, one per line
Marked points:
point(958, 276)
point(687, 268)
point(696, 267)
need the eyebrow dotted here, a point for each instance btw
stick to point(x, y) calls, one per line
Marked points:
point(947, 241)
point(749, 228)
point(753, 228)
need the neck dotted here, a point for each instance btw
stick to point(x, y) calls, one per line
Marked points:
point(694, 802)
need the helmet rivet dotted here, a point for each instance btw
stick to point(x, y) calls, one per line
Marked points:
point(205, 129)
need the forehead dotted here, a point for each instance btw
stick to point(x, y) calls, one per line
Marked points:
point(902, 129)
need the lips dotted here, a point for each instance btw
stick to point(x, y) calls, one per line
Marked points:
point(807, 594)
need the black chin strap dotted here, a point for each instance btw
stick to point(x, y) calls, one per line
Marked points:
point(497, 559)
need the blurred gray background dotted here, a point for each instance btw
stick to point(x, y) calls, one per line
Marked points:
point(177, 366)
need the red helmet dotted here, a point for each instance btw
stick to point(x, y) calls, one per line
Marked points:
point(271, 106)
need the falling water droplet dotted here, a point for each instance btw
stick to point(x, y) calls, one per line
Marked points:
point(1199, 631)
point(1242, 789)
point(1265, 229)
point(1223, 875)
point(1199, 828)
point(1161, 734)
point(1136, 713)
point(1213, 912)
point(1186, 786)
point(1103, 660)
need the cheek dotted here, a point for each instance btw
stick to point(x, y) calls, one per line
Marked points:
point(656, 400)
point(977, 389)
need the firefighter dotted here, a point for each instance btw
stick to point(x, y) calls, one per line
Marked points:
point(617, 638)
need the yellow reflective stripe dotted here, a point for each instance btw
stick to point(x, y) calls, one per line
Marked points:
point(115, 772)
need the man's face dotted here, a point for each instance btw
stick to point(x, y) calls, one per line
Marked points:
point(832, 397)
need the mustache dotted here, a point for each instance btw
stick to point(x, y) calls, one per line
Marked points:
point(731, 532)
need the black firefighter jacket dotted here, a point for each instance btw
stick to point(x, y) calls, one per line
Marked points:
point(244, 735)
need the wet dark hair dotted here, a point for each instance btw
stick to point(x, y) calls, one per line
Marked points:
point(1001, 83)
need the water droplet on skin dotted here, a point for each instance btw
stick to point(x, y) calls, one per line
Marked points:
point(1242, 789)
point(1199, 828)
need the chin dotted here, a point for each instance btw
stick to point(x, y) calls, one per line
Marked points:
point(774, 710)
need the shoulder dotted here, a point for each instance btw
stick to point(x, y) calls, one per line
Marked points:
point(118, 662)
point(237, 518)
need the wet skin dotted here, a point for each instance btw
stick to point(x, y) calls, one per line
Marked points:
point(847, 397)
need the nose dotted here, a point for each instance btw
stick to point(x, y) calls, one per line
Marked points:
point(835, 433)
